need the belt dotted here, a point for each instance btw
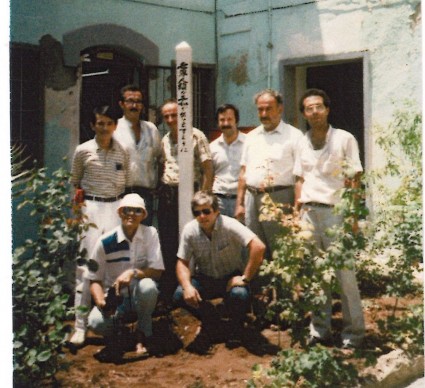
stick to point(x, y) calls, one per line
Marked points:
point(102, 199)
point(318, 204)
point(228, 196)
point(269, 189)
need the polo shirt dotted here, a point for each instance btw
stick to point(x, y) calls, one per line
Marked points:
point(100, 172)
point(219, 256)
point(114, 254)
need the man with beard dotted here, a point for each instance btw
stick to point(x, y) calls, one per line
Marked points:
point(226, 152)
point(143, 142)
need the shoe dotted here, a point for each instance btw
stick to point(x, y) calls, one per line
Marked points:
point(349, 345)
point(109, 355)
point(234, 339)
point(201, 344)
point(313, 341)
point(78, 338)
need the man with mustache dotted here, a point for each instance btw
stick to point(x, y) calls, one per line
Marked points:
point(143, 142)
point(226, 152)
point(266, 166)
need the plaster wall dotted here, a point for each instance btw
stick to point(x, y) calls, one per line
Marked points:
point(254, 37)
point(46, 22)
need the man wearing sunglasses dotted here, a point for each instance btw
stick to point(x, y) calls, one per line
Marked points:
point(211, 265)
point(128, 258)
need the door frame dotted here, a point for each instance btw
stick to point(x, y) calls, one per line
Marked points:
point(292, 74)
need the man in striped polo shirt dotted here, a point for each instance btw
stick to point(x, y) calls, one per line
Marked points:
point(100, 168)
point(128, 258)
point(210, 265)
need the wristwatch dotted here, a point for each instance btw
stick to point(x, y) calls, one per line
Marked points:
point(245, 280)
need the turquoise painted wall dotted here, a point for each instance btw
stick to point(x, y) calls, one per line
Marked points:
point(166, 23)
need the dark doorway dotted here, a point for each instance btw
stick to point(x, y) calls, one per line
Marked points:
point(104, 72)
point(344, 85)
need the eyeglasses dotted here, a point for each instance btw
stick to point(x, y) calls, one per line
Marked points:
point(133, 102)
point(135, 210)
point(197, 213)
point(319, 108)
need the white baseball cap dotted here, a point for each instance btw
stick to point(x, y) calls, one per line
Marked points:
point(133, 200)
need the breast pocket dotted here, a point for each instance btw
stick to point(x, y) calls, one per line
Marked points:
point(332, 166)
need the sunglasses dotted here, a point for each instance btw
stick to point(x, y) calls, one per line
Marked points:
point(135, 210)
point(197, 213)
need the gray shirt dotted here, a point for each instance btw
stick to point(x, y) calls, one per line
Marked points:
point(219, 256)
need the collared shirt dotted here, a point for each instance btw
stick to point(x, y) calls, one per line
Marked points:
point(114, 254)
point(144, 154)
point(100, 172)
point(269, 156)
point(323, 169)
point(220, 255)
point(226, 160)
point(201, 153)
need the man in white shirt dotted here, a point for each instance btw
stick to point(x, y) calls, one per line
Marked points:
point(128, 260)
point(226, 152)
point(266, 166)
point(319, 167)
point(143, 142)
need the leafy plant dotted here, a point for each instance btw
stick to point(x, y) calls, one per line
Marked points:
point(39, 300)
point(318, 367)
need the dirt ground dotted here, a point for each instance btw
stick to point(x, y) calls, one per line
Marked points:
point(224, 367)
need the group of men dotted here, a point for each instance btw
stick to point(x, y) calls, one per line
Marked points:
point(218, 253)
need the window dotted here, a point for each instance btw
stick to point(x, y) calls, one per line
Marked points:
point(26, 103)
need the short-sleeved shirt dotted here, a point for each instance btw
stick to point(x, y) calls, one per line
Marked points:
point(219, 256)
point(201, 153)
point(226, 161)
point(100, 172)
point(144, 154)
point(322, 170)
point(269, 156)
point(114, 254)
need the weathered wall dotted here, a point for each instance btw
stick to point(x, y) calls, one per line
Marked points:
point(252, 42)
point(46, 22)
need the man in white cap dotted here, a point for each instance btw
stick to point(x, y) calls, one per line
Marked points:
point(126, 260)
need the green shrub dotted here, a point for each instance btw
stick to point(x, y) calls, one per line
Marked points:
point(39, 300)
point(317, 367)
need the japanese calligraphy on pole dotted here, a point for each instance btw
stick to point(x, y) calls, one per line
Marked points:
point(185, 148)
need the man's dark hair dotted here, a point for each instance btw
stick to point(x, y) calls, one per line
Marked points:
point(129, 88)
point(104, 110)
point(274, 93)
point(204, 197)
point(314, 92)
point(222, 108)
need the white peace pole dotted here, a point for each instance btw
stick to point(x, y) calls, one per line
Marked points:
point(185, 148)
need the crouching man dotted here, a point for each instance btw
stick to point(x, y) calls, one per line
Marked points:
point(126, 260)
point(210, 265)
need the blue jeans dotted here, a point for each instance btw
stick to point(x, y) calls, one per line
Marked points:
point(144, 294)
point(237, 300)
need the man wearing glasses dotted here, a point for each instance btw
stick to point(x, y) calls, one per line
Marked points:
point(210, 265)
point(143, 142)
point(128, 259)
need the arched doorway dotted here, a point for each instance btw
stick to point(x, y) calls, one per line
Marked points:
point(104, 71)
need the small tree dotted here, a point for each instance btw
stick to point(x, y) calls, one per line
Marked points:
point(39, 300)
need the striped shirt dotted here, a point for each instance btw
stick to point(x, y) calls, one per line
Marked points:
point(100, 172)
point(114, 254)
point(220, 256)
point(201, 153)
